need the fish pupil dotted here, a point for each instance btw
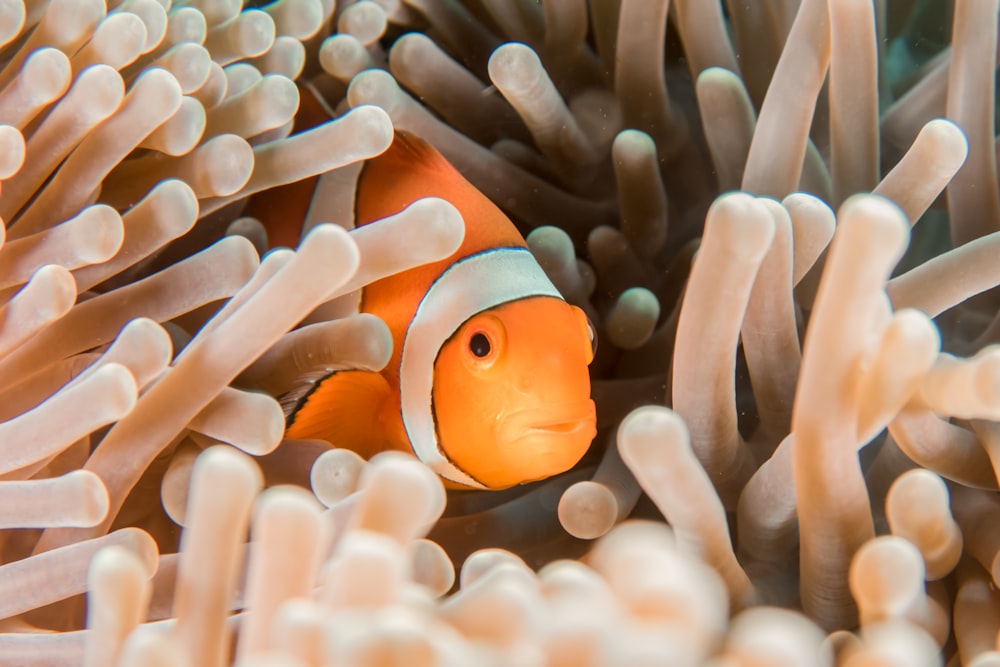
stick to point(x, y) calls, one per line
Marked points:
point(480, 345)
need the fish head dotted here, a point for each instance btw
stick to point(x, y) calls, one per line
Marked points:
point(511, 392)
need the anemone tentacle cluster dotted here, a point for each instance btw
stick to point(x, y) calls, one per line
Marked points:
point(782, 218)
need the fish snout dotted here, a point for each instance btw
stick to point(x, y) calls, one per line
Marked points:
point(554, 420)
point(548, 440)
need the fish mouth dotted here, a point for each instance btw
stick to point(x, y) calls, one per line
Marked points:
point(551, 421)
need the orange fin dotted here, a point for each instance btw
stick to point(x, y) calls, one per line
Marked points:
point(341, 407)
point(410, 151)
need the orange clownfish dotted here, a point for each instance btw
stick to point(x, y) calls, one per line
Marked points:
point(488, 382)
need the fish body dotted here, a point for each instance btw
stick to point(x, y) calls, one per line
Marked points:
point(488, 381)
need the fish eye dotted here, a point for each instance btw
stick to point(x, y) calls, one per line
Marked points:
point(479, 345)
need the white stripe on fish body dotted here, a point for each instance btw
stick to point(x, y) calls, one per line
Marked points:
point(468, 287)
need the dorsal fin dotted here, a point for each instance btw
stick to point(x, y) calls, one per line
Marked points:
point(414, 152)
point(409, 169)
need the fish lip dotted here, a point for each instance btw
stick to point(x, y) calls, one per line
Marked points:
point(556, 420)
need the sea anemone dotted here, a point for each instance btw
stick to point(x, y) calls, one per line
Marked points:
point(782, 218)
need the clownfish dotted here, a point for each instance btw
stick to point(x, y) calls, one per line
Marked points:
point(488, 381)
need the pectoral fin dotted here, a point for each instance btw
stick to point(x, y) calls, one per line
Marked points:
point(345, 408)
